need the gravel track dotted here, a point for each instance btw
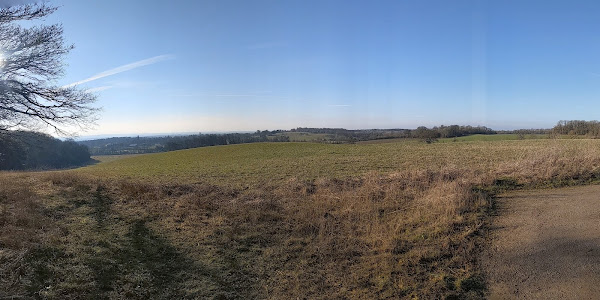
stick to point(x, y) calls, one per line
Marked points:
point(545, 245)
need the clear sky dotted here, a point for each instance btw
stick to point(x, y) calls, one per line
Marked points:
point(198, 66)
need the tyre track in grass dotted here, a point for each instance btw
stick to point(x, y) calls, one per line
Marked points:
point(104, 255)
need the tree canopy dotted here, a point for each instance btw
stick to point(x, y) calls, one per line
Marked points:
point(31, 61)
point(26, 150)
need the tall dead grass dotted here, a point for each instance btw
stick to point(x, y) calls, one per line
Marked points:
point(557, 165)
point(23, 226)
point(379, 237)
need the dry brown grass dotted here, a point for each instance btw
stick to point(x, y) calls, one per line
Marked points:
point(555, 165)
point(23, 227)
point(403, 234)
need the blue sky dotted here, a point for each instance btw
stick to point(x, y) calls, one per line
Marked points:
point(198, 66)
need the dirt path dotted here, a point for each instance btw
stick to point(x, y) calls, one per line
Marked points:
point(545, 245)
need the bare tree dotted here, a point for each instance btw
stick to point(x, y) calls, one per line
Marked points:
point(31, 61)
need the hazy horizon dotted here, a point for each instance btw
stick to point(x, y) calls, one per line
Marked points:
point(242, 66)
point(84, 137)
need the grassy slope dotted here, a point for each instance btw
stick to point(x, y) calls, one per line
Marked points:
point(275, 162)
point(270, 220)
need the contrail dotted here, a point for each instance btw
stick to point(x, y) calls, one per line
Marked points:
point(123, 68)
point(99, 89)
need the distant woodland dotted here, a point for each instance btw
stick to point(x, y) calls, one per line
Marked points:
point(26, 150)
point(577, 128)
point(138, 145)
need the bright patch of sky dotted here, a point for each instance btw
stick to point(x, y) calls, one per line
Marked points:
point(222, 65)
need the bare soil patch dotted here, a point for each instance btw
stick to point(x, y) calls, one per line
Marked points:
point(545, 245)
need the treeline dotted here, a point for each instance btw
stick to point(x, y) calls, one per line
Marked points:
point(341, 135)
point(577, 127)
point(449, 131)
point(138, 145)
point(24, 150)
point(203, 140)
point(526, 131)
point(421, 132)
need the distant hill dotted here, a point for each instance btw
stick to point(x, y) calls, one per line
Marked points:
point(154, 144)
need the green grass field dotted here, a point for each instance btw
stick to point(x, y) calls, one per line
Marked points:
point(274, 162)
point(401, 219)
